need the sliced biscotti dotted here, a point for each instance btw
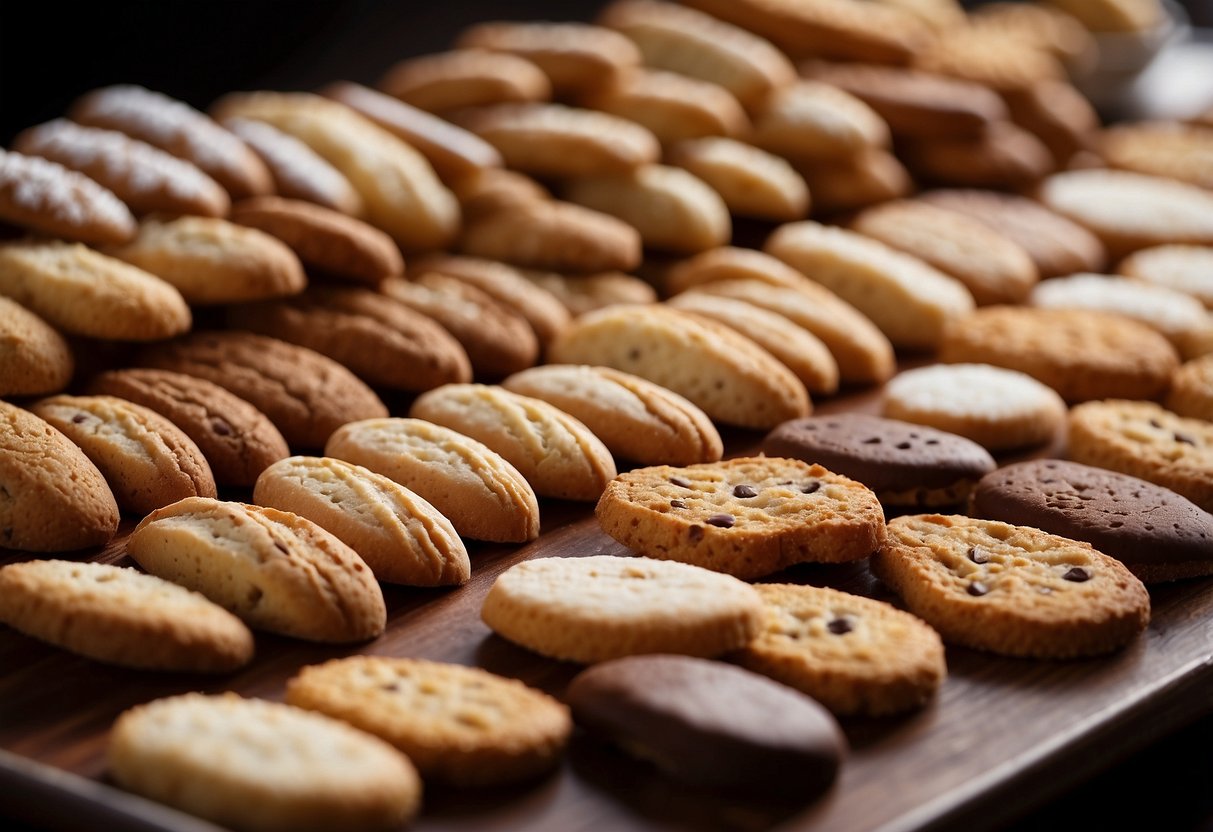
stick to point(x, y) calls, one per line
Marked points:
point(751, 181)
point(465, 78)
point(34, 358)
point(634, 418)
point(672, 106)
point(549, 234)
point(730, 377)
point(748, 517)
point(121, 616)
point(275, 570)
point(47, 197)
point(1013, 590)
point(146, 459)
point(483, 496)
point(557, 454)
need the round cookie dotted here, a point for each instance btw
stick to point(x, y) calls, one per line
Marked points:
point(34, 358)
point(1192, 389)
point(47, 197)
point(1187, 269)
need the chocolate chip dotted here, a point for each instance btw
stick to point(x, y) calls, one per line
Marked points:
point(744, 491)
point(695, 533)
point(724, 521)
point(839, 626)
point(978, 555)
point(874, 440)
point(810, 487)
point(677, 504)
point(221, 427)
point(78, 418)
point(680, 482)
point(1077, 574)
point(977, 588)
point(1184, 438)
point(391, 687)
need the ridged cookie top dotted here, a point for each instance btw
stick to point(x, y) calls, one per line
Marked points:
point(34, 358)
point(48, 197)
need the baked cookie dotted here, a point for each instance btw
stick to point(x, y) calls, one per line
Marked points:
point(1044, 27)
point(549, 234)
point(34, 358)
point(465, 78)
point(121, 616)
point(49, 198)
point(1187, 269)
point(1005, 156)
point(402, 538)
point(1114, 15)
point(1057, 114)
point(868, 178)
point(459, 725)
point(586, 293)
point(1012, 590)
point(989, 57)
point(489, 190)
point(748, 517)
point(751, 181)
point(1191, 392)
point(731, 263)
point(600, 607)
point(673, 107)
point(809, 120)
point(852, 654)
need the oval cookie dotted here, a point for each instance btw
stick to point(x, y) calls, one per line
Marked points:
point(673, 107)
point(752, 182)
point(34, 358)
point(465, 78)
point(1187, 269)
point(809, 120)
point(1192, 389)
point(47, 197)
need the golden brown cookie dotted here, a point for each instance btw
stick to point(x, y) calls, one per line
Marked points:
point(1187, 269)
point(585, 293)
point(1057, 114)
point(1004, 156)
point(731, 263)
point(465, 78)
point(1114, 15)
point(673, 107)
point(1192, 389)
point(1169, 149)
point(34, 358)
point(47, 197)
point(492, 189)
point(990, 57)
point(1041, 26)
point(751, 181)
point(809, 120)
point(868, 178)
point(548, 234)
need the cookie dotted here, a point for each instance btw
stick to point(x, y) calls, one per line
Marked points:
point(213, 261)
point(602, 607)
point(123, 617)
point(1168, 149)
point(305, 395)
point(910, 301)
point(260, 766)
point(854, 655)
point(49, 198)
point(81, 292)
point(381, 340)
point(747, 517)
point(585, 293)
point(483, 496)
point(904, 464)
point(711, 724)
point(401, 537)
point(812, 120)
point(237, 439)
point(459, 725)
point(1057, 114)
point(1043, 27)
point(34, 358)
point(465, 78)
point(752, 182)
point(52, 497)
point(939, 15)
point(1143, 440)
point(731, 263)
point(146, 459)
point(997, 408)
point(673, 107)
point(1187, 269)
point(1082, 355)
point(1114, 15)
point(489, 190)
point(1003, 157)
point(324, 239)
point(730, 377)
point(870, 177)
point(989, 57)
point(1191, 391)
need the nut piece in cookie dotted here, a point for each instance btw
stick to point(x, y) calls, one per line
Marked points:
point(47, 197)
point(34, 358)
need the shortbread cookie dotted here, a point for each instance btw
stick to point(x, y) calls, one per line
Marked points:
point(585, 293)
point(747, 517)
point(730, 377)
point(48, 197)
point(1003, 157)
point(752, 182)
point(1191, 392)
point(381, 340)
point(1042, 27)
point(559, 456)
point(601, 607)
point(711, 724)
point(483, 496)
point(260, 766)
point(305, 395)
point(1080, 354)
point(148, 180)
point(460, 725)
point(636, 419)
point(465, 78)
point(237, 439)
point(146, 459)
point(997, 408)
point(812, 120)
point(989, 57)
point(1013, 590)
point(553, 235)
point(870, 177)
point(52, 497)
point(732, 263)
point(673, 107)
point(1143, 440)
point(905, 464)
point(489, 190)
point(323, 239)
point(277, 571)
point(402, 538)
point(1057, 114)
point(909, 300)
point(1187, 269)
point(1114, 15)
point(34, 358)
point(852, 654)
point(123, 617)
point(1157, 534)
point(81, 292)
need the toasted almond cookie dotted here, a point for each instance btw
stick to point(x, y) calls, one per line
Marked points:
point(636, 419)
point(908, 299)
point(460, 725)
point(260, 766)
point(323, 239)
point(381, 340)
point(237, 439)
point(305, 395)
point(870, 177)
point(989, 57)
point(1043, 27)
point(727, 375)
point(1187, 269)
point(553, 235)
point(673, 107)
point(483, 496)
point(1012, 590)
point(992, 267)
point(47, 197)
point(854, 655)
point(559, 456)
point(34, 358)
point(747, 517)
point(214, 261)
point(493, 189)
point(1143, 440)
point(812, 120)
point(671, 208)
point(1192, 389)
point(402, 538)
point(465, 78)
point(1004, 156)
point(1114, 15)
point(752, 182)
point(601, 607)
point(732, 263)
point(123, 617)
point(1057, 114)
point(997, 408)
point(52, 497)
point(146, 459)
point(81, 292)
point(585, 293)
point(1176, 151)
point(497, 340)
